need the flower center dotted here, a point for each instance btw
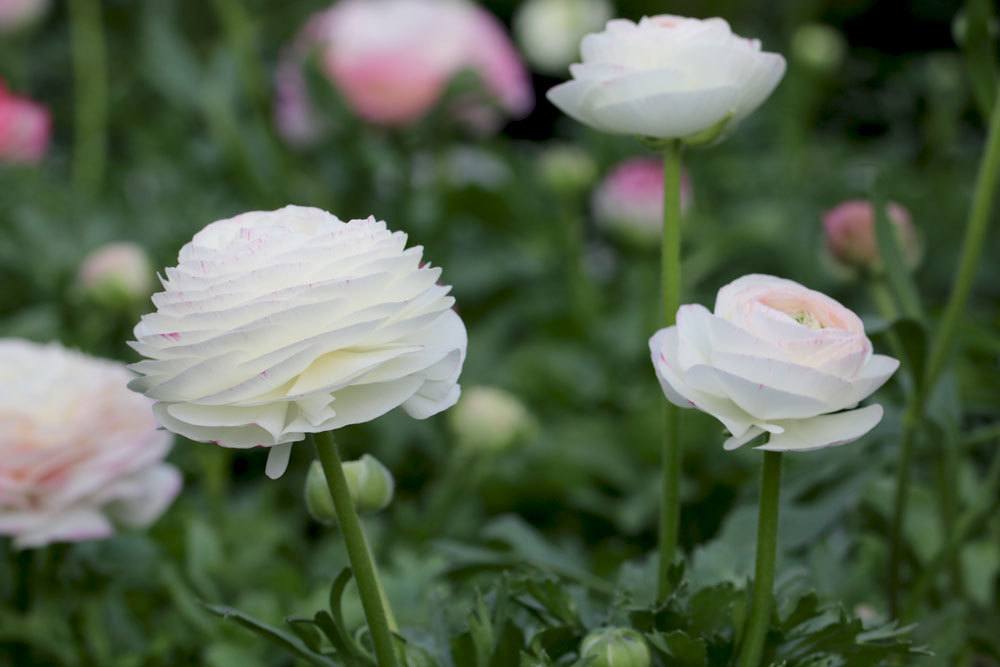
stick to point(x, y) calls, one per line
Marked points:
point(807, 319)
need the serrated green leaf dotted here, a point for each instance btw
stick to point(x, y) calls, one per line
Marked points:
point(278, 637)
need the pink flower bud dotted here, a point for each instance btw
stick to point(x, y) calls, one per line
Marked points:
point(117, 270)
point(392, 60)
point(25, 127)
point(17, 14)
point(630, 200)
point(850, 235)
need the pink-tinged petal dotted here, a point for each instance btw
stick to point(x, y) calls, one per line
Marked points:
point(763, 402)
point(824, 431)
point(875, 374)
point(140, 500)
point(75, 525)
point(679, 391)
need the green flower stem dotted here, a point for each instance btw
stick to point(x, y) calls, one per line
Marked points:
point(373, 598)
point(670, 289)
point(941, 344)
point(767, 548)
point(90, 91)
point(972, 250)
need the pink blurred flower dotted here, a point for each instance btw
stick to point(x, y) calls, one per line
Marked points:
point(850, 235)
point(79, 452)
point(630, 199)
point(393, 59)
point(25, 127)
point(17, 14)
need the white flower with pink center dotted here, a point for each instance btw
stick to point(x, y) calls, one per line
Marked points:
point(79, 453)
point(777, 358)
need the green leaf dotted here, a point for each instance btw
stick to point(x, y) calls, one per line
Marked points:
point(306, 630)
point(280, 638)
point(680, 648)
point(980, 49)
point(909, 337)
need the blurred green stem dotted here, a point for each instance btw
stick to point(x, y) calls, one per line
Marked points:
point(752, 648)
point(941, 344)
point(670, 289)
point(90, 89)
point(373, 599)
point(972, 250)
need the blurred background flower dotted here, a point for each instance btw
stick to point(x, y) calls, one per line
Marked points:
point(18, 14)
point(79, 453)
point(850, 235)
point(549, 31)
point(25, 127)
point(628, 203)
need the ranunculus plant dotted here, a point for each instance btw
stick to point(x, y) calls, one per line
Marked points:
point(79, 454)
point(778, 359)
point(672, 81)
point(279, 324)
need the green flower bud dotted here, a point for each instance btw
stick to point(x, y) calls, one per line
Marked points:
point(370, 483)
point(567, 169)
point(615, 647)
point(487, 418)
point(117, 274)
point(819, 47)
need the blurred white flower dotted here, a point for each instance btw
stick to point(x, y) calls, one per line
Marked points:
point(117, 270)
point(668, 77)
point(549, 31)
point(776, 358)
point(17, 14)
point(78, 451)
point(566, 168)
point(488, 418)
point(281, 323)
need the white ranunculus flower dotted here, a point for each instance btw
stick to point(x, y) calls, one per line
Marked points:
point(277, 324)
point(667, 77)
point(79, 453)
point(777, 358)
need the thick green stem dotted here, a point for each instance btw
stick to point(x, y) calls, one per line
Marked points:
point(372, 597)
point(670, 289)
point(90, 91)
point(972, 249)
point(767, 550)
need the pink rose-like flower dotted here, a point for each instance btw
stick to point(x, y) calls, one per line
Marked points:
point(851, 240)
point(775, 357)
point(17, 14)
point(25, 127)
point(392, 60)
point(79, 452)
point(630, 199)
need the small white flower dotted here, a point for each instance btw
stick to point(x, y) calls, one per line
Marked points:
point(549, 31)
point(777, 358)
point(667, 77)
point(277, 324)
point(78, 451)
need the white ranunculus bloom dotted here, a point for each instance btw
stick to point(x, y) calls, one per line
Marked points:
point(667, 77)
point(777, 358)
point(277, 324)
point(79, 453)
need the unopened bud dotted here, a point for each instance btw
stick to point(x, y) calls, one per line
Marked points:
point(370, 483)
point(819, 47)
point(549, 31)
point(566, 168)
point(629, 201)
point(851, 239)
point(487, 418)
point(615, 647)
point(117, 272)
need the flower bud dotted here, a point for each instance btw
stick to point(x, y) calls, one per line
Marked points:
point(117, 272)
point(549, 31)
point(819, 48)
point(487, 418)
point(18, 14)
point(566, 168)
point(370, 483)
point(25, 129)
point(615, 647)
point(851, 240)
point(629, 202)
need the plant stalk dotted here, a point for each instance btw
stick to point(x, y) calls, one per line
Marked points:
point(752, 649)
point(670, 289)
point(373, 599)
point(90, 91)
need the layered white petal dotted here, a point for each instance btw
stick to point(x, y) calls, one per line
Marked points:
point(667, 77)
point(278, 324)
point(774, 358)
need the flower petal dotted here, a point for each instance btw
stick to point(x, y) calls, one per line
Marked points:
point(802, 435)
